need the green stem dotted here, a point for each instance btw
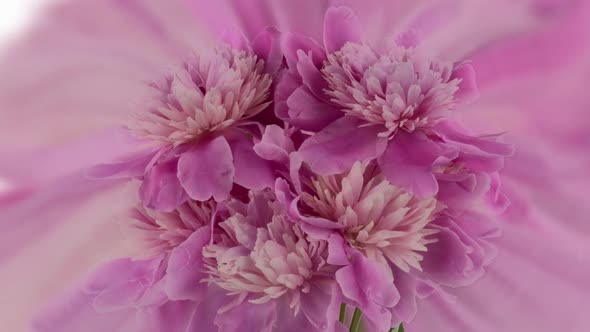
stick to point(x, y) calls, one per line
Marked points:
point(342, 316)
point(400, 328)
point(356, 320)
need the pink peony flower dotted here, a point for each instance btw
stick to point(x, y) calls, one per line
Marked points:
point(266, 261)
point(379, 219)
point(385, 101)
point(199, 114)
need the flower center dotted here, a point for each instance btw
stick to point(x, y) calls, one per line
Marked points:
point(266, 262)
point(397, 89)
point(208, 93)
point(380, 219)
point(157, 232)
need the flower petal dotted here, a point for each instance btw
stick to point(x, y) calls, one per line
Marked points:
point(468, 87)
point(251, 171)
point(185, 270)
point(248, 317)
point(267, 45)
point(207, 170)
point(340, 26)
point(370, 285)
point(294, 44)
point(161, 189)
point(339, 145)
point(407, 163)
point(308, 112)
point(275, 145)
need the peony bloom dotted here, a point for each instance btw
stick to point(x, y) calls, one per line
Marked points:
point(388, 101)
point(200, 116)
point(431, 140)
point(263, 259)
point(409, 244)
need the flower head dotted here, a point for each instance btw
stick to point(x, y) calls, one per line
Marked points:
point(198, 119)
point(264, 260)
point(396, 88)
point(378, 218)
point(158, 232)
point(209, 93)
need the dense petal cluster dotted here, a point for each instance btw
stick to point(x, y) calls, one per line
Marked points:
point(395, 89)
point(208, 93)
point(274, 260)
point(196, 138)
point(379, 219)
point(356, 188)
point(157, 232)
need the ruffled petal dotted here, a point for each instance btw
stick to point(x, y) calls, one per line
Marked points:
point(340, 26)
point(408, 162)
point(468, 87)
point(161, 188)
point(294, 44)
point(251, 171)
point(308, 112)
point(321, 307)
point(185, 269)
point(339, 145)
point(274, 145)
point(207, 170)
point(370, 286)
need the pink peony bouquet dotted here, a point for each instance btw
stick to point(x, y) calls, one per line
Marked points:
point(337, 166)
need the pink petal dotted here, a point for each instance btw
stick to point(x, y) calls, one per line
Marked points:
point(407, 163)
point(50, 219)
point(253, 16)
point(82, 77)
point(308, 112)
point(370, 285)
point(267, 45)
point(340, 26)
point(207, 170)
point(161, 188)
point(185, 268)
point(337, 254)
point(312, 77)
point(248, 317)
point(293, 44)
point(251, 171)
point(172, 316)
point(321, 307)
point(468, 87)
point(376, 26)
point(275, 144)
point(133, 167)
point(305, 16)
point(335, 148)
